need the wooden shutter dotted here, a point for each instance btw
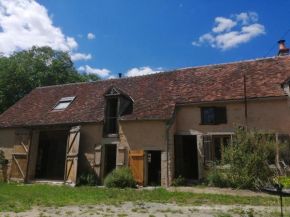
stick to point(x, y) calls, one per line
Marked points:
point(72, 152)
point(220, 115)
point(285, 153)
point(136, 161)
point(125, 106)
point(20, 155)
point(120, 156)
point(98, 160)
point(207, 148)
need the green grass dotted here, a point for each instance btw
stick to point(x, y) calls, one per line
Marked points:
point(17, 197)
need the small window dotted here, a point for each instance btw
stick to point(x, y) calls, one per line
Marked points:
point(63, 103)
point(213, 115)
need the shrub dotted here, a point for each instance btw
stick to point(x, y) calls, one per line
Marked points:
point(120, 178)
point(2, 157)
point(249, 154)
point(216, 178)
point(180, 181)
point(86, 179)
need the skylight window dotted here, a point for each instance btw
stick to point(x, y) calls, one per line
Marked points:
point(63, 103)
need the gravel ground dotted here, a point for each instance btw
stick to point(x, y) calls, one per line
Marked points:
point(212, 190)
point(148, 210)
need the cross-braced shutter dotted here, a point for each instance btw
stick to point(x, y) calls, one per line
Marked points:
point(136, 161)
point(98, 160)
point(121, 156)
point(72, 152)
point(20, 155)
point(207, 148)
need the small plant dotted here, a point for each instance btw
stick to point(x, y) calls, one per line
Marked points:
point(120, 178)
point(2, 157)
point(86, 179)
point(216, 178)
point(180, 181)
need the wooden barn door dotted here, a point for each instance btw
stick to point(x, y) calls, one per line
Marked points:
point(72, 152)
point(20, 155)
point(136, 161)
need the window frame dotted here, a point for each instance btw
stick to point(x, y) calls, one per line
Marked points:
point(63, 100)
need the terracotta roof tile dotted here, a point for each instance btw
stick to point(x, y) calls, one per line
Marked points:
point(154, 95)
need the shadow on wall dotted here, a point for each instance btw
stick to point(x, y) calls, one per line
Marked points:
point(86, 165)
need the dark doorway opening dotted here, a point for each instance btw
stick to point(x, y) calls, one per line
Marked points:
point(51, 155)
point(110, 158)
point(186, 157)
point(154, 168)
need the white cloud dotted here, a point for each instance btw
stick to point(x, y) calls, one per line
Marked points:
point(247, 18)
point(100, 72)
point(80, 56)
point(142, 71)
point(25, 23)
point(222, 36)
point(81, 68)
point(223, 24)
point(91, 36)
point(111, 77)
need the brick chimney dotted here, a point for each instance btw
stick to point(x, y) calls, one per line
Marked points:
point(283, 51)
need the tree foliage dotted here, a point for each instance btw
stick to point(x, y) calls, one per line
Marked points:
point(41, 66)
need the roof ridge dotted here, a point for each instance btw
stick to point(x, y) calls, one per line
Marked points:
point(162, 72)
point(241, 61)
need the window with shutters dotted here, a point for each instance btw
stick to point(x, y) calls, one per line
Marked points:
point(213, 115)
point(117, 104)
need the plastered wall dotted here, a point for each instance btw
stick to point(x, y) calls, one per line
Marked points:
point(90, 137)
point(262, 114)
point(143, 135)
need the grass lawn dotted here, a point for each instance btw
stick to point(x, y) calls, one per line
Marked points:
point(18, 197)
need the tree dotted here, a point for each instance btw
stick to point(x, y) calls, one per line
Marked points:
point(41, 66)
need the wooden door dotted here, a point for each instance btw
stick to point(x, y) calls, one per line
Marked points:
point(97, 161)
point(136, 162)
point(20, 155)
point(72, 152)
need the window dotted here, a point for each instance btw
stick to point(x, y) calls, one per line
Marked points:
point(219, 144)
point(213, 115)
point(117, 104)
point(111, 116)
point(63, 103)
point(214, 146)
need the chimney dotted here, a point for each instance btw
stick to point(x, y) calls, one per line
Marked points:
point(283, 51)
point(120, 74)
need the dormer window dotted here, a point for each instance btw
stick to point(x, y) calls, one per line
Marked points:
point(63, 103)
point(117, 104)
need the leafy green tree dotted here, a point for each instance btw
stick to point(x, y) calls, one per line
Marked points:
point(41, 66)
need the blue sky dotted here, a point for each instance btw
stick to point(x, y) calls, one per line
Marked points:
point(137, 37)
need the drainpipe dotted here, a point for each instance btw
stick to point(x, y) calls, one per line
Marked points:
point(168, 125)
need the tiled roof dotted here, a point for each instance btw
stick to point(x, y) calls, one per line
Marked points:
point(154, 95)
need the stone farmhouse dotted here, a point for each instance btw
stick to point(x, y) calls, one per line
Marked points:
point(162, 125)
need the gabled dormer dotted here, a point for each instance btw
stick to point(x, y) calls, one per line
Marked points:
point(118, 104)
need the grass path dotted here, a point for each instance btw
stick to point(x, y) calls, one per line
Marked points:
point(17, 197)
